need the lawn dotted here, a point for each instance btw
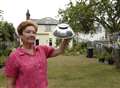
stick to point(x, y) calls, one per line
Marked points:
point(79, 72)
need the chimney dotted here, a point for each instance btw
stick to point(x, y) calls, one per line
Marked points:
point(27, 15)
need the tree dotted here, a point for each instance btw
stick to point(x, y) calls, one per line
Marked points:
point(7, 31)
point(79, 16)
point(85, 13)
point(1, 12)
point(108, 14)
point(8, 38)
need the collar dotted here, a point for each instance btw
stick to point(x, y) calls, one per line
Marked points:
point(22, 51)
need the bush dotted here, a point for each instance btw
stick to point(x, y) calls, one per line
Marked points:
point(2, 59)
point(3, 55)
point(77, 49)
point(5, 52)
point(106, 55)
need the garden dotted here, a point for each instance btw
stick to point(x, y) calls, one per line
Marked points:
point(75, 70)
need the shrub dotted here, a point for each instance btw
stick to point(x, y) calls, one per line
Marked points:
point(5, 52)
point(2, 60)
point(77, 49)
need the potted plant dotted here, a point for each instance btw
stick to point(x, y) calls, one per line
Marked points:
point(108, 55)
point(101, 57)
point(108, 58)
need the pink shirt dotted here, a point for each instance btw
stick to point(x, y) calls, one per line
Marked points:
point(30, 70)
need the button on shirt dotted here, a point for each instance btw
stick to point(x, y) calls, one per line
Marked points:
point(30, 71)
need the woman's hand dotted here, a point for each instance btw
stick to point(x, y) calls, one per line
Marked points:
point(64, 43)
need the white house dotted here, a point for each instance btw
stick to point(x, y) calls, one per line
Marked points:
point(45, 28)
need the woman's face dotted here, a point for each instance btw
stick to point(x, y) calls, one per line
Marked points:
point(29, 35)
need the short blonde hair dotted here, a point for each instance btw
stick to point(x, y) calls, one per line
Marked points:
point(25, 24)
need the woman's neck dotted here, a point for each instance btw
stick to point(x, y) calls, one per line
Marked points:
point(28, 46)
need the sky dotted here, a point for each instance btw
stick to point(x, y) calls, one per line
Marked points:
point(15, 10)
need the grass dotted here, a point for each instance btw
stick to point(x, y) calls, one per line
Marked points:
point(78, 72)
point(2, 79)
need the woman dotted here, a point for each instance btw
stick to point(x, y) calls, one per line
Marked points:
point(26, 67)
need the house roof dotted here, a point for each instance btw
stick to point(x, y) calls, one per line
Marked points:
point(46, 21)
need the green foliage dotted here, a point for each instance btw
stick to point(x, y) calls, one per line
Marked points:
point(3, 54)
point(7, 31)
point(105, 54)
point(107, 14)
point(77, 49)
point(101, 55)
point(7, 51)
point(108, 56)
point(1, 13)
point(2, 60)
point(83, 15)
point(79, 16)
point(8, 38)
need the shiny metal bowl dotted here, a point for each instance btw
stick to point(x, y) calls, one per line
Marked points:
point(63, 31)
